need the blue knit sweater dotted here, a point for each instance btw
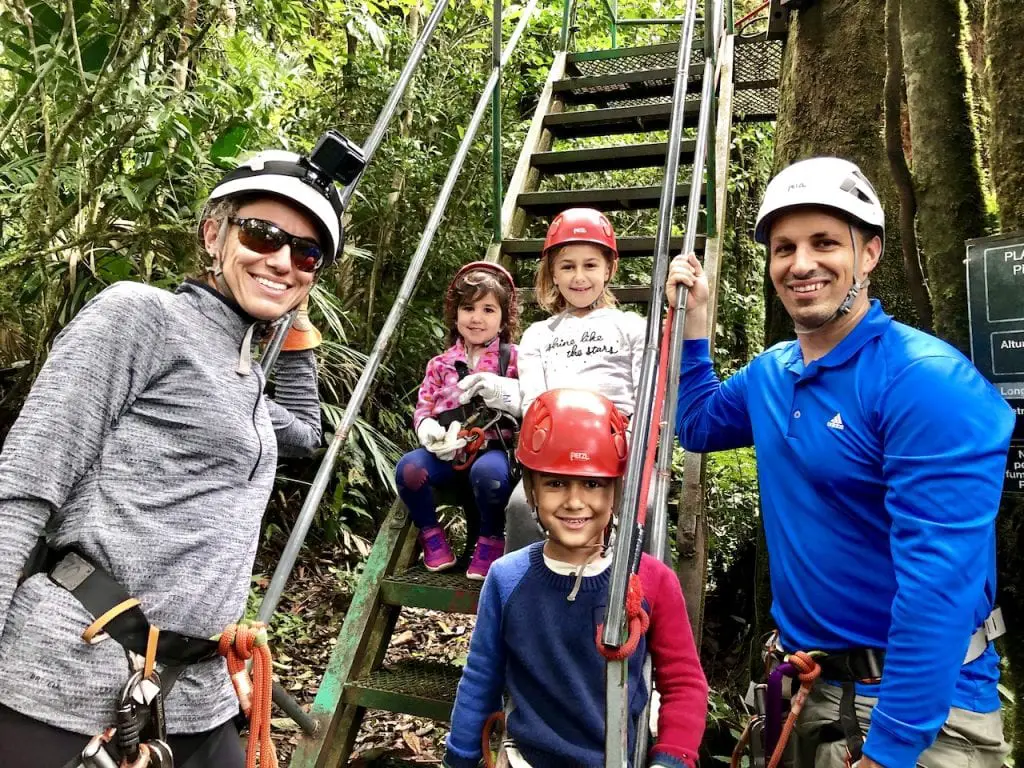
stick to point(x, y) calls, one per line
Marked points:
point(537, 645)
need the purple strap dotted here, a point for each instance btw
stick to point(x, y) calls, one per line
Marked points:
point(773, 713)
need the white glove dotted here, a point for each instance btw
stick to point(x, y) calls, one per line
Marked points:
point(446, 448)
point(499, 392)
point(429, 432)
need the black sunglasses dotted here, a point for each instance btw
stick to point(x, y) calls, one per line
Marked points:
point(263, 236)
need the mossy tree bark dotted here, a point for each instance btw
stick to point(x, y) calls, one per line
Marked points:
point(947, 178)
point(831, 104)
point(1004, 39)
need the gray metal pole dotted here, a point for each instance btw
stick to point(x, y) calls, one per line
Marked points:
point(369, 149)
point(348, 418)
point(269, 359)
point(657, 534)
point(628, 543)
point(397, 92)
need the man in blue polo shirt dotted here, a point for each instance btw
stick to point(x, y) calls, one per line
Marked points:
point(880, 453)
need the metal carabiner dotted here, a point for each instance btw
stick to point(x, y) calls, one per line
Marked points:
point(95, 754)
point(131, 729)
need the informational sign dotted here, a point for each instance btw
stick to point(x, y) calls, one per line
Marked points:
point(995, 301)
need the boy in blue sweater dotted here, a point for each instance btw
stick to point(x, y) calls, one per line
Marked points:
point(535, 636)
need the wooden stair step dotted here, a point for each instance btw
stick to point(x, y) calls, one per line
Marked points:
point(610, 199)
point(629, 247)
point(417, 587)
point(646, 155)
point(411, 686)
point(626, 294)
point(621, 86)
point(611, 121)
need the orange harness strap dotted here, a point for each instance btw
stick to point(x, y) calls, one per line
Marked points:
point(239, 643)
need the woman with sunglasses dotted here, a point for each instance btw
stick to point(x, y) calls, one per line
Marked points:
point(148, 448)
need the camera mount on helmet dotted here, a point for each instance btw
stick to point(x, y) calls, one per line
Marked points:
point(334, 158)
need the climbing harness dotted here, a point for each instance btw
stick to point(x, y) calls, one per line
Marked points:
point(139, 737)
point(765, 735)
point(477, 419)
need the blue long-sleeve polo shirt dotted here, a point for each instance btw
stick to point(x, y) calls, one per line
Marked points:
point(880, 468)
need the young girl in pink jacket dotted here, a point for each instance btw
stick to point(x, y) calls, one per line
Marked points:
point(469, 384)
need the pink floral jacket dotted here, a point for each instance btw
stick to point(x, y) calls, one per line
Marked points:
point(440, 391)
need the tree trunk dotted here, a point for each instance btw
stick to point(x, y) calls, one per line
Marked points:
point(894, 148)
point(1004, 40)
point(950, 201)
point(831, 104)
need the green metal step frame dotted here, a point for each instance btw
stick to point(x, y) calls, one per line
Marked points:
point(603, 199)
point(629, 247)
point(646, 155)
point(451, 591)
point(611, 121)
point(411, 686)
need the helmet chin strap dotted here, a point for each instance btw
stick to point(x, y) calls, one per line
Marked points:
point(851, 295)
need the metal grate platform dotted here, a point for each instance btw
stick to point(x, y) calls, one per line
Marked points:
point(418, 688)
point(448, 591)
point(758, 65)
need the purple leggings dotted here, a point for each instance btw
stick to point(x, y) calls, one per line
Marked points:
point(482, 489)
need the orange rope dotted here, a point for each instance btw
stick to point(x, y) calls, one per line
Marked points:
point(239, 643)
point(485, 738)
point(809, 671)
point(638, 620)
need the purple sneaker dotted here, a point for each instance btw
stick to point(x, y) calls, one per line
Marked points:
point(488, 549)
point(437, 555)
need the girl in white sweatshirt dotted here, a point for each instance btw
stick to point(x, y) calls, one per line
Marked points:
point(587, 343)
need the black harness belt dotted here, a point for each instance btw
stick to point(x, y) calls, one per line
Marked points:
point(100, 594)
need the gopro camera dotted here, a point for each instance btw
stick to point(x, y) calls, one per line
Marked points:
point(337, 158)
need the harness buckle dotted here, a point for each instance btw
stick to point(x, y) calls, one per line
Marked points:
point(994, 624)
point(72, 571)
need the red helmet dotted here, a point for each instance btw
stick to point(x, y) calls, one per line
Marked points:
point(581, 225)
point(485, 266)
point(573, 432)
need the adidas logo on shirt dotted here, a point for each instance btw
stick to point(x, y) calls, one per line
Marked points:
point(836, 422)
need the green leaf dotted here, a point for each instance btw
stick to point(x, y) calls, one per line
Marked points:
point(229, 143)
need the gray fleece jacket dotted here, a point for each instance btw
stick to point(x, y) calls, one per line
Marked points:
point(143, 445)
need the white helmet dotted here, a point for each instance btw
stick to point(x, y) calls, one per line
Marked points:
point(308, 182)
point(823, 182)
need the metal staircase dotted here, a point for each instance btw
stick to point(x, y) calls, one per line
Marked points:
point(624, 92)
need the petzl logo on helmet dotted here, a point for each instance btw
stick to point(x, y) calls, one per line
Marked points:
point(579, 230)
point(798, 185)
point(579, 456)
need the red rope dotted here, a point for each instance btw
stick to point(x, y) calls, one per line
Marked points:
point(656, 412)
point(751, 15)
point(239, 643)
point(637, 619)
point(485, 737)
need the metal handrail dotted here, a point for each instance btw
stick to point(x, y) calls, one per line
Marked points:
point(630, 537)
point(370, 146)
point(373, 362)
